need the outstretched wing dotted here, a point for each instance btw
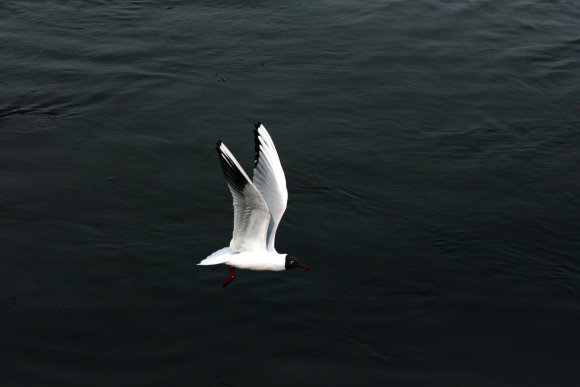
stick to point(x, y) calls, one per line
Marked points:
point(251, 214)
point(270, 180)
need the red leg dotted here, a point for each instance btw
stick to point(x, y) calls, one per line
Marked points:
point(230, 278)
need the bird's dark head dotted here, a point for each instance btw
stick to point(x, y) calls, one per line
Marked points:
point(292, 262)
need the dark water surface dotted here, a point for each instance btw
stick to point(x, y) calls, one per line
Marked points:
point(432, 152)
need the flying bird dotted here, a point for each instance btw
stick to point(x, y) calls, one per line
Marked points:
point(258, 208)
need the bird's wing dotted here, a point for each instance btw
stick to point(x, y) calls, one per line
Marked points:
point(270, 180)
point(251, 214)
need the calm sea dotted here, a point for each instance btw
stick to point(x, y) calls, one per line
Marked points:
point(432, 153)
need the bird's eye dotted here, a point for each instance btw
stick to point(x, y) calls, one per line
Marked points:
point(293, 262)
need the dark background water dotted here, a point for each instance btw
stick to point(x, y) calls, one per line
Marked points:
point(432, 152)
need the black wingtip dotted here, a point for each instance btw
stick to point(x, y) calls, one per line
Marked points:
point(256, 147)
point(218, 143)
point(257, 124)
point(234, 176)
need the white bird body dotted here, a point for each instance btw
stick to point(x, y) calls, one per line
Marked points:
point(258, 208)
point(259, 260)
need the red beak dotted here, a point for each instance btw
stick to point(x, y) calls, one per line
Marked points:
point(304, 267)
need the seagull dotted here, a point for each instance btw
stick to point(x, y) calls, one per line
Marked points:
point(258, 208)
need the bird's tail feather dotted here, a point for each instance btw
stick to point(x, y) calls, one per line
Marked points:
point(220, 256)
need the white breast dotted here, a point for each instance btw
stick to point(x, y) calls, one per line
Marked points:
point(264, 260)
